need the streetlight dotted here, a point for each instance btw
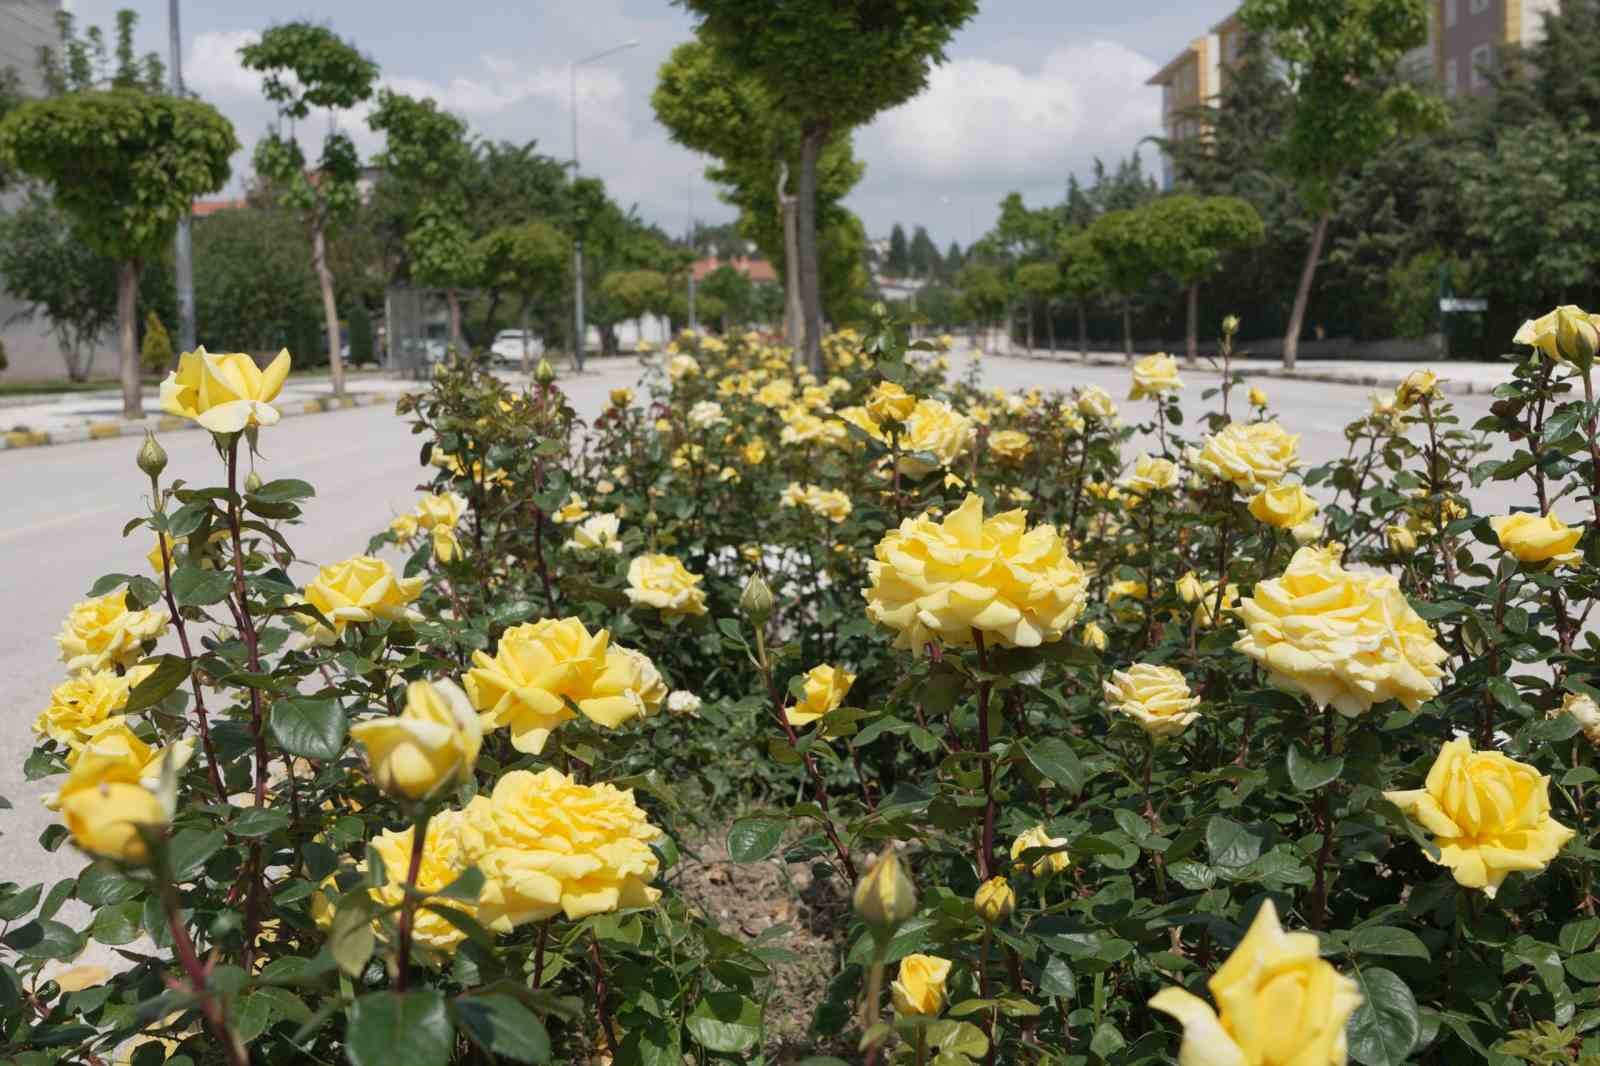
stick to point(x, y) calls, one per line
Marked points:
point(183, 263)
point(579, 329)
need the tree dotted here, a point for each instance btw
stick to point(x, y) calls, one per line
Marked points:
point(635, 293)
point(308, 66)
point(1188, 236)
point(830, 65)
point(125, 166)
point(924, 255)
point(898, 262)
point(426, 153)
point(52, 273)
point(733, 289)
point(156, 352)
point(1083, 277)
point(361, 339)
point(953, 260)
point(1122, 241)
point(1340, 60)
point(982, 295)
point(529, 259)
point(1038, 283)
point(254, 287)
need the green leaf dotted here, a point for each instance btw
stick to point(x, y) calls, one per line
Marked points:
point(259, 821)
point(1308, 773)
point(1586, 967)
point(282, 491)
point(652, 1044)
point(170, 672)
point(1388, 940)
point(1230, 843)
point(194, 587)
point(16, 904)
point(44, 939)
point(1577, 935)
point(753, 839)
point(350, 937)
point(501, 1025)
point(1386, 1026)
point(1053, 758)
point(399, 1029)
point(189, 849)
point(101, 884)
point(118, 924)
point(310, 728)
point(725, 1021)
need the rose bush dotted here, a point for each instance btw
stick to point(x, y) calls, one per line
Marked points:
point(1095, 735)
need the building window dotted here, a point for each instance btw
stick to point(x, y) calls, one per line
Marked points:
point(1479, 6)
point(1449, 13)
point(1451, 79)
point(1482, 60)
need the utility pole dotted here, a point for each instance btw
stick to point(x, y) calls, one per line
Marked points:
point(580, 326)
point(183, 262)
point(694, 252)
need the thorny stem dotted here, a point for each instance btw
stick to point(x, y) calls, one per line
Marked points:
point(874, 994)
point(210, 1007)
point(1077, 489)
point(1436, 489)
point(1318, 907)
point(1564, 628)
point(538, 955)
point(408, 905)
point(1594, 441)
point(986, 839)
point(601, 994)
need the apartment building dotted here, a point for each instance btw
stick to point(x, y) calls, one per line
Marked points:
point(1191, 78)
point(1468, 36)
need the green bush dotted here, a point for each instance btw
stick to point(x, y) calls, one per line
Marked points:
point(155, 355)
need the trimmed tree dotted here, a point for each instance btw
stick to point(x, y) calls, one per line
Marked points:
point(1340, 60)
point(156, 351)
point(1038, 283)
point(831, 65)
point(1188, 237)
point(125, 167)
point(530, 260)
point(308, 66)
point(54, 274)
point(1122, 241)
point(982, 295)
point(1083, 278)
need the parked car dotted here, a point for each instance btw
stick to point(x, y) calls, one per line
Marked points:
point(507, 346)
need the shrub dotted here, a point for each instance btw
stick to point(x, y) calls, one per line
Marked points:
point(155, 353)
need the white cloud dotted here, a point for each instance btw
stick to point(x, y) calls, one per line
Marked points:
point(212, 67)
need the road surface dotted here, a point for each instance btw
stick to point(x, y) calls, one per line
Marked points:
point(64, 507)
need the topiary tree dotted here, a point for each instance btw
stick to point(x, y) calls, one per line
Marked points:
point(1188, 236)
point(982, 295)
point(1122, 241)
point(529, 259)
point(1038, 284)
point(733, 289)
point(1083, 277)
point(156, 353)
point(125, 167)
point(831, 65)
point(309, 66)
point(361, 345)
point(635, 293)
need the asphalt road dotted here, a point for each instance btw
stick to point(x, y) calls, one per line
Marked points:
point(62, 510)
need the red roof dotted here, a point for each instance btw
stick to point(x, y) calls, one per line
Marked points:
point(757, 270)
point(202, 208)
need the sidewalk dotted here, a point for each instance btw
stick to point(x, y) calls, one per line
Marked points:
point(1454, 377)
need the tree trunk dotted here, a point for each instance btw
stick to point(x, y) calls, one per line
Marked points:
point(1083, 333)
point(1050, 325)
point(527, 354)
point(330, 308)
point(127, 334)
point(1302, 295)
point(1127, 330)
point(1191, 350)
point(1028, 310)
point(793, 326)
point(811, 140)
point(454, 300)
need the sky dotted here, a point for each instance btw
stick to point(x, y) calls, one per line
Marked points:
point(1032, 91)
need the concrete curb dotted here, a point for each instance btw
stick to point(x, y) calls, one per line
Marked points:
point(1243, 371)
point(169, 423)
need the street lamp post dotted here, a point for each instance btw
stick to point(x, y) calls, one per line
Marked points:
point(580, 328)
point(182, 261)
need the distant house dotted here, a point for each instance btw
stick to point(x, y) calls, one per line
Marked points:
point(759, 271)
point(205, 208)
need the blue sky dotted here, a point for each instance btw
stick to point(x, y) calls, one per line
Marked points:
point(1034, 90)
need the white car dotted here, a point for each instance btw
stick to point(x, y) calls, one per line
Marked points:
point(507, 346)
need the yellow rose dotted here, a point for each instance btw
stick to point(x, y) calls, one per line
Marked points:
point(1567, 334)
point(829, 503)
point(888, 402)
point(1155, 697)
point(541, 670)
point(1126, 589)
point(1345, 639)
point(945, 581)
point(1283, 506)
point(1151, 474)
point(110, 794)
point(1538, 539)
point(80, 703)
point(1153, 375)
point(429, 747)
point(444, 858)
point(1417, 386)
point(933, 429)
point(775, 394)
point(361, 589)
point(754, 453)
point(660, 581)
point(1010, 445)
point(1280, 1003)
point(1488, 815)
point(1257, 397)
point(1038, 837)
point(1586, 712)
point(224, 393)
point(439, 514)
point(886, 896)
point(995, 900)
point(574, 510)
point(1095, 402)
point(404, 527)
point(825, 689)
point(1401, 540)
point(1253, 455)
point(919, 989)
point(102, 632)
point(705, 414)
point(1094, 637)
point(554, 846)
point(621, 398)
point(601, 532)
point(683, 366)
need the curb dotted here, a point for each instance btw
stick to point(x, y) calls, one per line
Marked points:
point(169, 423)
point(1241, 372)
